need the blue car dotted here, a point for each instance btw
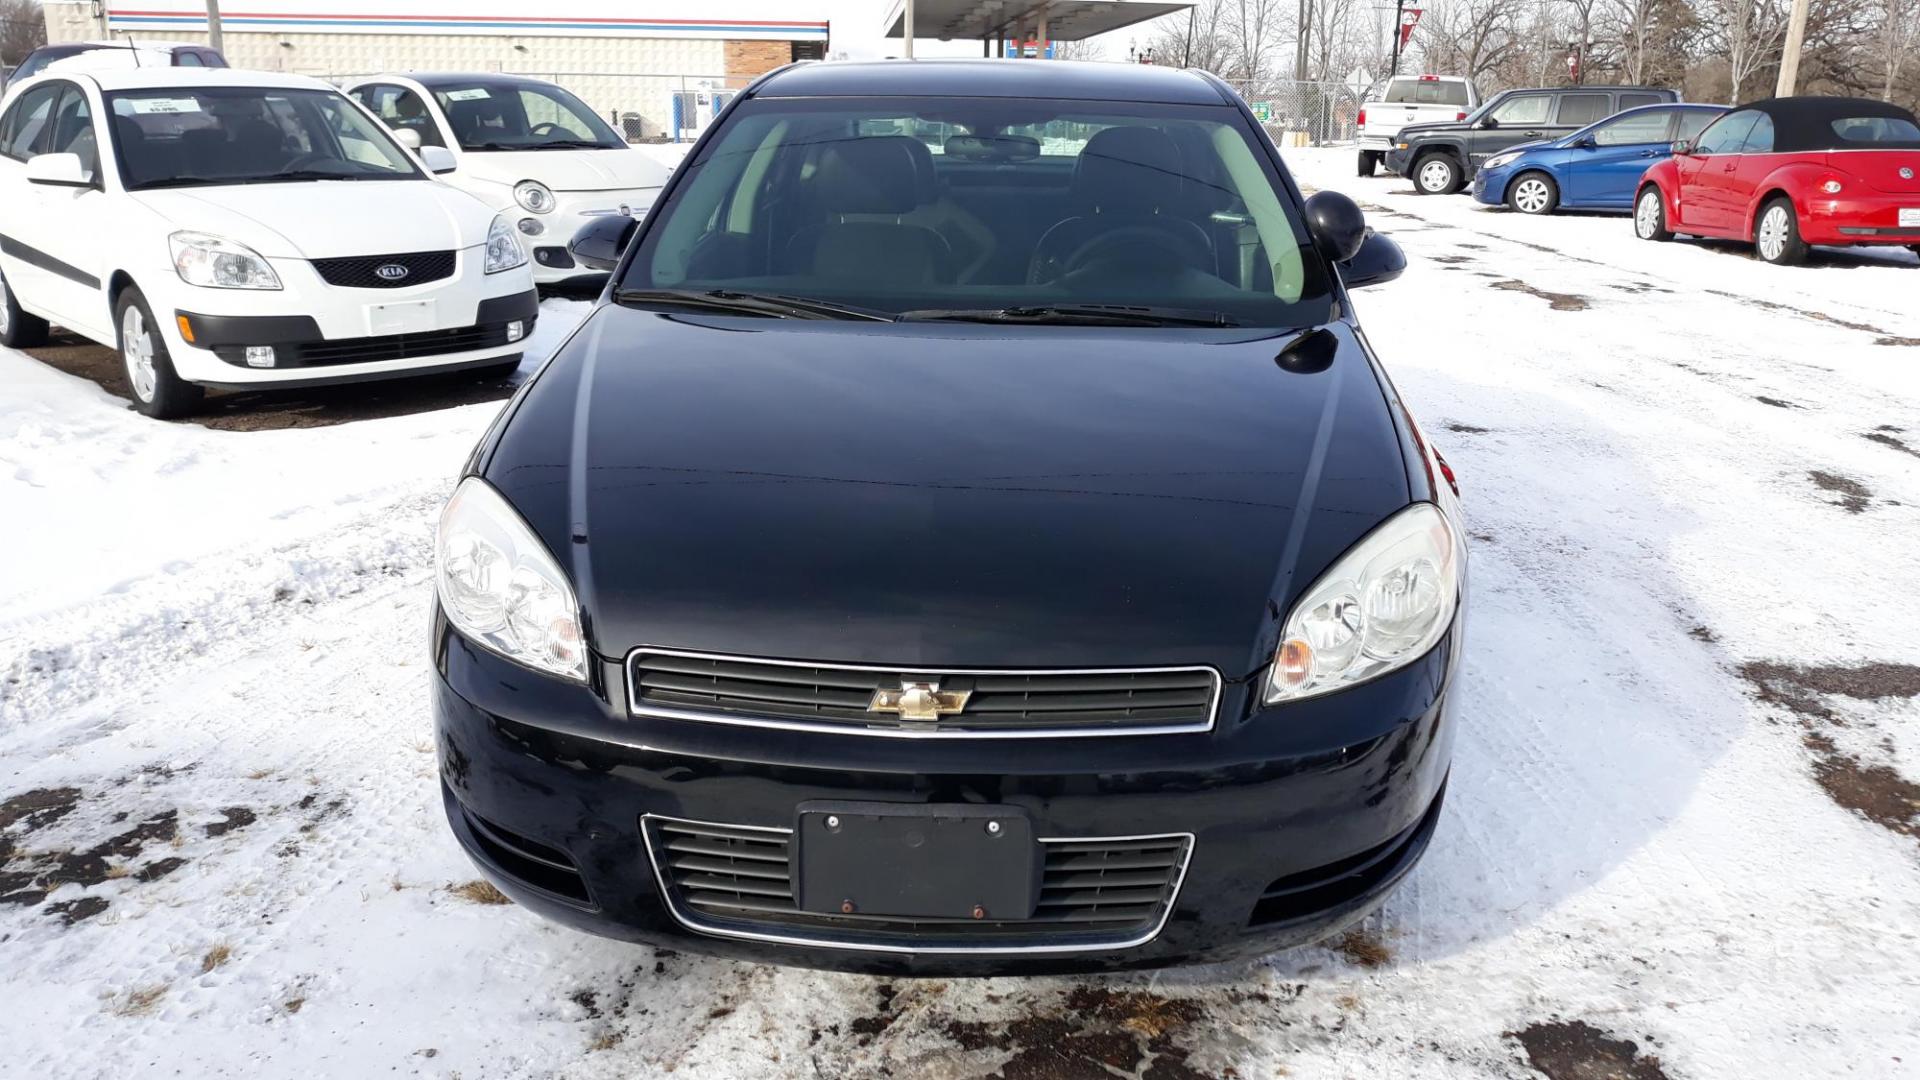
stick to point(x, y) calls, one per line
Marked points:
point(1596, 168)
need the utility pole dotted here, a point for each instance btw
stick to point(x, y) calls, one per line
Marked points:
point(909, 28)
point(1399, 12)
point(1790, 57)
point(213, 26)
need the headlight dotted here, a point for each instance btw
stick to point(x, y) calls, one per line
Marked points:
point(501, 589)
point(217, 263)
point(503, 248)
point(1498, 160)
point(1382, 606)
point(534, 196)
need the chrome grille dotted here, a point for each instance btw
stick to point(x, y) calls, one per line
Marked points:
point(835, 697)
point(1109, 892)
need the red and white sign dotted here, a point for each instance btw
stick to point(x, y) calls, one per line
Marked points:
point(1409, 18)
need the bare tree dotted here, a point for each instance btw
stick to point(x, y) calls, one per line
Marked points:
point(1197, 39)
point(1083, 49)
point(1253, 27)
point(1748, 35)
point(1474, 38)
point(22, 29)
point(1899, 34)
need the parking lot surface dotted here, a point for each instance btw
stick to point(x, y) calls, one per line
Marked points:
point(1682, 837)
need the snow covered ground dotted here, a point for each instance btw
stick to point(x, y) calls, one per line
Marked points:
point(1683, 814)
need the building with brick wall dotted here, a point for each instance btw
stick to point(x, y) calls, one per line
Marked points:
point(642, 64)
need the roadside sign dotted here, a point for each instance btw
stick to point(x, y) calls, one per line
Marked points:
point(1263, 111)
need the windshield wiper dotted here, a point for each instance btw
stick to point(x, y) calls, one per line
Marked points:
point(772, 305)
point(569, 144)
point(179, 181)
point(298, 175)
point(1072, 315)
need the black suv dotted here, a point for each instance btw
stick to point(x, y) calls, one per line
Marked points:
point(1441, 158)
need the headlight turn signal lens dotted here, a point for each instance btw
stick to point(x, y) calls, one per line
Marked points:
point(501, 588)
point(1383, 605)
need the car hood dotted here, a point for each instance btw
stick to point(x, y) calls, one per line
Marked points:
point(1434, 126)
point(567, 170)
point(945, 494)
point(325, 219)
point(1537, 144)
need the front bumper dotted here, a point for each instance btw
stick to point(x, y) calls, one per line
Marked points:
point(1490, 186)
point(1859, 219)
point(1399, 162)
point(1301, 820)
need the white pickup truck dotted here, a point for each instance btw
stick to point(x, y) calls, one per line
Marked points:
point(1410, 99)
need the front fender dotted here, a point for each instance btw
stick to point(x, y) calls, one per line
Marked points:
point(1664, 175)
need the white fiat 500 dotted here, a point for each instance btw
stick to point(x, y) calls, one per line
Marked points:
point(237, 228)
point(524, 146)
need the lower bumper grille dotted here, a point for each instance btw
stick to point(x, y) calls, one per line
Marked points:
point(836, 697)
point(1096, 893)
point(367, 350)
point(546, 868)
point(1311, 892)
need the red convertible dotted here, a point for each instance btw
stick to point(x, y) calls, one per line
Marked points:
point(1788, 173)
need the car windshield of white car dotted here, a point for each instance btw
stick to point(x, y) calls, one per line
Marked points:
point(989, 209)
point(503, 114)
point(191, 136)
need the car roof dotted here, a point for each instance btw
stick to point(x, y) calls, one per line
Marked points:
point(162, 77)
point(1055, 79)
point(1806, 123)
point(446, 78)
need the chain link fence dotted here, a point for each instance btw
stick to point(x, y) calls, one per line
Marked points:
point(1302, 113)
point(642, 106)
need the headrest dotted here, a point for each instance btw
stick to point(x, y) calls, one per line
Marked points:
point(879, 174)
point(1128, 170)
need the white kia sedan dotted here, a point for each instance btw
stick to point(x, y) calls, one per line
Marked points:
point(239, 228)
point(524, 146)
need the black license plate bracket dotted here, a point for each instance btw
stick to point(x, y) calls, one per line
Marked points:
point(916, 860)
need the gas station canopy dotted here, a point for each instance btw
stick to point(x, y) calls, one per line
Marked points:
point(1049, 20)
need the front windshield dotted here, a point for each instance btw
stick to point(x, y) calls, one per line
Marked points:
point(502, 114)
point(191, 136)
point(931, 207)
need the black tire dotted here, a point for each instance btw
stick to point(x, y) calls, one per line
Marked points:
point(1436, 174)
point(18, 330)
point(156, 389)
point(1776, 234)
point(1369, 161)
point(1533, 193)
point(1650, 215)
point(1915, 248)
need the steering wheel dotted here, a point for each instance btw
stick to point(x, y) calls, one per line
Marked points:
point(1112, 245)
point(300, 160)
point(551, 128)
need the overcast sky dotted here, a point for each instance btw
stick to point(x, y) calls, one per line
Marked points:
point(857, 28)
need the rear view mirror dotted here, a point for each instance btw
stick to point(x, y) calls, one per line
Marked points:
point(437, 159)
point(1001, 148)
point(1682, 147)
point(59, 170)
point(600, 242)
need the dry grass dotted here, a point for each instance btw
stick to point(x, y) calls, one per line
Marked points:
point(607, 1041)
point(1363, 949)
point(140, 1002)
point(480, 892)
point(216, 956)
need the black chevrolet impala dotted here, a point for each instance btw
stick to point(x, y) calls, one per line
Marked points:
point(972, 534)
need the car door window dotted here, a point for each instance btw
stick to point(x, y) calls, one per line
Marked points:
point(1760, 139)
point(187, 58)
point(401, 110)
point(26, 122)
point(1727, 136)
point(1692, 122)
point(1634, 101)
point(1579, 110)
point(73, 131)
point(1522, 110)
point(1641, 127)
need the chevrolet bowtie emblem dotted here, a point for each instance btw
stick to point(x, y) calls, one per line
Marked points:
point(919, 700)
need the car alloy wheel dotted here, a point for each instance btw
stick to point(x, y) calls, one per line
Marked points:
point(1436, 176)
point(1774, 226)
point(1646, 215)
point(136, 348)
point(1530, 195)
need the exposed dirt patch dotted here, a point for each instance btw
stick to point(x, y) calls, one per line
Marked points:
point(1855, 496)
point(232, 819)
point(1363, 949)
point(1703, 633)
point(480, 892)
point(1576, 1050)
point(1638, 288)
point(1881, 337)
point(1891, 442)
point(1557, 301)
point(1875, 792)
point(1096, 1033)
point(1775, 402)
point(1450, 260)
point(864, 1028)
point(272, 410)
point(1466, 429)
point(73, 911)
point(1800, 689)
point(38, 808)
point(27, 878)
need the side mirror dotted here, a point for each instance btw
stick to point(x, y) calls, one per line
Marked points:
point(59, 170)
point(1587, 142)
point(407, 137)
point(600, 242)
point(1336, 225)
point(437, 159)
point(1489, 123)
point(1378, 261)
point(1682, 148)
